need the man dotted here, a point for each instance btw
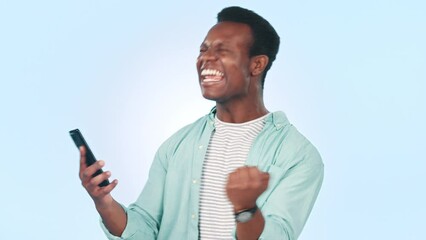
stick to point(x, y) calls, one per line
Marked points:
point(238, 172)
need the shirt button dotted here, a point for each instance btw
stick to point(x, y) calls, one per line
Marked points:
point(200, 147)
point(193, 216)
point(194, 181)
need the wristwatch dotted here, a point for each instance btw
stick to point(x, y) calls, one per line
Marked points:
point(245, 215)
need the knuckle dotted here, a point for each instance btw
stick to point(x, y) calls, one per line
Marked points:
point(231, 187)
point(92, 182)
point(257, 185)
point(106, 190)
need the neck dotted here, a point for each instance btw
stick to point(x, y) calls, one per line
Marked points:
point(240, 113)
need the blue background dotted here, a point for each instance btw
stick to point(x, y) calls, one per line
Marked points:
point(350, 75)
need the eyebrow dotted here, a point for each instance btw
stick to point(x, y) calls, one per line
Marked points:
point(220, 44)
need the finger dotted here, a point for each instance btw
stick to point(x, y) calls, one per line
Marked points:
point(82, 157)
point(254, 173)
point(243, 174)
point(264, 176)
point(89, 171)
point(265, 179)
point(83, 165)
point(110, 187)
point(231, 178)
point(95, 181)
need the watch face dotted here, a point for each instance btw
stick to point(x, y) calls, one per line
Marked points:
point(244, 217)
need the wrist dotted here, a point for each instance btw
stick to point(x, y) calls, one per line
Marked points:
point(245, 215)
point(242, 207)
point(104, 204)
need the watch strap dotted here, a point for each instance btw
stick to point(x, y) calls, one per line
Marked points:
point(245, 215)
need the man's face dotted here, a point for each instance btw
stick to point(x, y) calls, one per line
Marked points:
point(224, 63)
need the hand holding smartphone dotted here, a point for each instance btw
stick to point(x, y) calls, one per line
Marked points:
point(79, 141)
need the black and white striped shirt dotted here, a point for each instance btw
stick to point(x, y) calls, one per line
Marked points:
point(228, 149)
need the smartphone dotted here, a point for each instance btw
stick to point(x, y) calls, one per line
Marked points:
point(90, 158)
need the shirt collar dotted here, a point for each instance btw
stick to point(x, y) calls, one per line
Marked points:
point(278, 118)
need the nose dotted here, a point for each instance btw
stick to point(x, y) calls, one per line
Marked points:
point(206, 56)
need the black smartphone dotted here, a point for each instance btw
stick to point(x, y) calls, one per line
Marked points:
point(90, 158)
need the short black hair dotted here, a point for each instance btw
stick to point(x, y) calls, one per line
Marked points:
point(265, 39)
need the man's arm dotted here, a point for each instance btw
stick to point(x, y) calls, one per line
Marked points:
point(288, 205)
point(111, 212)
point(251, 229)
point(243, 188)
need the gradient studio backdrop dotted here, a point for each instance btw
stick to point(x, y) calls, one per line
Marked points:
point(350, 76)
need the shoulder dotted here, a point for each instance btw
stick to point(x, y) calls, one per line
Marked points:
point(291, 143)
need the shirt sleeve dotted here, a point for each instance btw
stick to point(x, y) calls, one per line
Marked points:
point(144, 216)
point(292, 194)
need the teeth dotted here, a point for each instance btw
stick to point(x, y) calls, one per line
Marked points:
point(210, 80)
point(211, 72)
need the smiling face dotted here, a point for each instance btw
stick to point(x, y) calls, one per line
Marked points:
point(224, 63)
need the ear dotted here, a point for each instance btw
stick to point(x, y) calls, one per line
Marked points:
point(258, 64)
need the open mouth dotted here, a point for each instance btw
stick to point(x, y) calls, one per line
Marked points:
point(211, 75)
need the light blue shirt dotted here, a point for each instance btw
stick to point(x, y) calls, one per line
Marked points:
point(168, 206)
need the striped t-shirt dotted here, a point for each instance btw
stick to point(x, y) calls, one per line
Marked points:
point(228, 149)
